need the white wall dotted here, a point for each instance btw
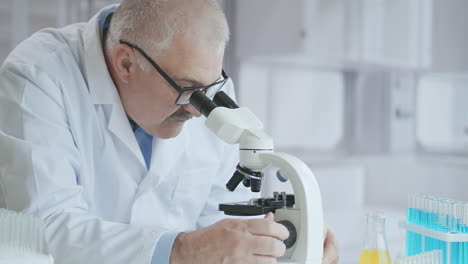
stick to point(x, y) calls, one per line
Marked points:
point(21, 18)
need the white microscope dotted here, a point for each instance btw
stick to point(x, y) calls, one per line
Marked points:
point(302, 212)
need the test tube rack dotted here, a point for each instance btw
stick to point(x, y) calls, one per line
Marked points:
point(450, 242)
point(435, 223)
point(431, 257)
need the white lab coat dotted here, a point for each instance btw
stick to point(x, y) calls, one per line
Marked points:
point(69, 155)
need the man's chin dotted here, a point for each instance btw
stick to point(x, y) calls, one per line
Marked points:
point(169, 129)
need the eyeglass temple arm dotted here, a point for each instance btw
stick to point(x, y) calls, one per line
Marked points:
point(163, 74)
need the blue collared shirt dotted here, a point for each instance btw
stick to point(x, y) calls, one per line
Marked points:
point(163, 249)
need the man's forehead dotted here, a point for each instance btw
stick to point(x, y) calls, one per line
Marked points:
point(188, 80)
point(192, 62)
point(194, 81)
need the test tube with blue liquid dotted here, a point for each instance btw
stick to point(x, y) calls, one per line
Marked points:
point(443, 215)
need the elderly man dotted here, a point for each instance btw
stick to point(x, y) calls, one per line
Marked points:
point(91, 140)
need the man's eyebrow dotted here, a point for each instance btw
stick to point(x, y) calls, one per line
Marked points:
point(193, 82)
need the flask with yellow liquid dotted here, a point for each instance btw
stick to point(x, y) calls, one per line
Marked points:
point(375, 249)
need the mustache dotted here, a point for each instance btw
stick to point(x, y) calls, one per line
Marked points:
point(181, 115)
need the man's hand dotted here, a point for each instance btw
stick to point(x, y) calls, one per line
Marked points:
point(232, 241)
point(330, 248)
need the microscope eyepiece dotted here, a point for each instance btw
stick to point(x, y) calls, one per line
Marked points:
point(222, 99)
point(202, 103)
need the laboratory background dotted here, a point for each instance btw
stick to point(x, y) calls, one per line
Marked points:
point(371, 94)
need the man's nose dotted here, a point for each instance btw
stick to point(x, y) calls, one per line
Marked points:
point(191, 109)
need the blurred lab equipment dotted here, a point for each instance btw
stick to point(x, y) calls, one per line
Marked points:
point(432, 257)
point(375, 249)
point(302, 212)
point(21, 239)
point(435, 223)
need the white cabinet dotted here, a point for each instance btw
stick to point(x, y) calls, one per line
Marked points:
point(307, 109)
point(339, 32)
point(303, 109)
point(290, 28)
point(449, 38)
point(408, 34)
point(442, 113)
point(393, 33)
point(416, 34)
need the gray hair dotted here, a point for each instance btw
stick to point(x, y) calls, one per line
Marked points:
point(153, 24)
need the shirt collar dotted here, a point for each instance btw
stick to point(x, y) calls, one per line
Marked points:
point(101, 86)
point(104, 19)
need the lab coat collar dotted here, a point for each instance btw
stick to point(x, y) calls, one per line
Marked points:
point(102, 88)
point(165, 158)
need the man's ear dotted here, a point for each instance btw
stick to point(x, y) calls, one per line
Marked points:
point(123, 62)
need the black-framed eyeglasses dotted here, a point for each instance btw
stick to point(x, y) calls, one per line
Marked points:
point(184, 92)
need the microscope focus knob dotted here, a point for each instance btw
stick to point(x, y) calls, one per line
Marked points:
point(291, 240)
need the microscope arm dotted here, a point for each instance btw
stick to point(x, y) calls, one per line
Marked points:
point(307, 215)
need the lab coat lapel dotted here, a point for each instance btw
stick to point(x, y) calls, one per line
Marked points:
point(166, 158)
point(167, 164)
point(103, 91)
point(167, 153)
